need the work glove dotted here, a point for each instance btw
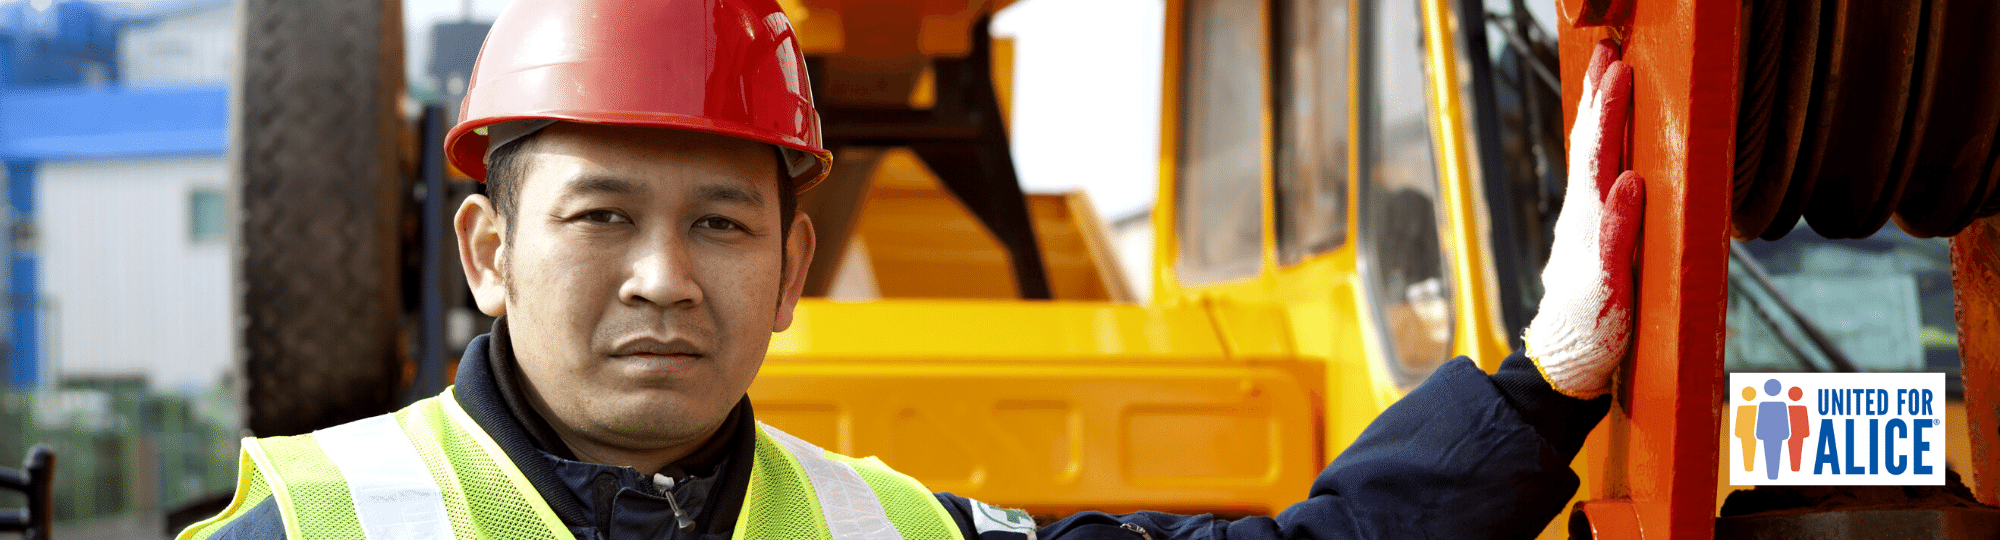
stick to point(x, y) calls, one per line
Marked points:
point(1584, 326)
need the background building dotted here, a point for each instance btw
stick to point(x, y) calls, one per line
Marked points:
point(117, 345)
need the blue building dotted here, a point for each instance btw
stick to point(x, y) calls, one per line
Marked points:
point(113, 130)
point(117, 339)
point(61, 43)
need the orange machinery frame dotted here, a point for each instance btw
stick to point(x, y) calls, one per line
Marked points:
point(1658, 450)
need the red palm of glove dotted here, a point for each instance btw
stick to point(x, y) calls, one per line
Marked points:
point(1584, 326)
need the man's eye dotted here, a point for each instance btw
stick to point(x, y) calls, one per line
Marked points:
point(717, 223)
point(605, 216)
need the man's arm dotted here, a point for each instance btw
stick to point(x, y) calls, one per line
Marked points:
point(1465, 455)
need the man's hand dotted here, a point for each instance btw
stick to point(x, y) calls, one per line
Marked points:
point(1584, 326)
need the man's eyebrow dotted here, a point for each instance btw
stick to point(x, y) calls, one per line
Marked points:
point(591, 185)
point(730, 194)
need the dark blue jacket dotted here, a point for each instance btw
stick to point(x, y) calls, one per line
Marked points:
point(1465, 455)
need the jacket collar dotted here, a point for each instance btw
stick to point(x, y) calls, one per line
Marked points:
point(500, 363)
point(487, 387)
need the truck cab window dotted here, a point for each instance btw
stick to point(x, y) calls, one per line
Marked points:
point(1311, 107)
point(1218, 199)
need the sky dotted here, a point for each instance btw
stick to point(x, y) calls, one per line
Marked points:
point(1080, 121)
point(1092, 120)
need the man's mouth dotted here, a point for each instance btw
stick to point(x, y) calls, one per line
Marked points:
point(652, 347)
point(649, 358)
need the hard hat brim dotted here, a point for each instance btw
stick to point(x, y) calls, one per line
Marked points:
point(467, 145)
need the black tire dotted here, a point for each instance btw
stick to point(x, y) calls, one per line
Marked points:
point(317, 161)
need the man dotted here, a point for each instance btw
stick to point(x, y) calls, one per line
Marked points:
point(639, 244)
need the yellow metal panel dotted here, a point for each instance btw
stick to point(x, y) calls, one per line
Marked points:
point(1250, 330)
point(1328, 321)
point(922, 243)
point(999, 330)
point(1002, 57)
point(1052, 406)
point(924, 27)
point(1060, 435)
point(817, 26)
point(1075, 255)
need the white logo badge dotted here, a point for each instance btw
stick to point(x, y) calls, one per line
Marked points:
point(1836, 429)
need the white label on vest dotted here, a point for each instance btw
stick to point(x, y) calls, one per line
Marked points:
point(988, 518)
point(394, 494)
point(852, 511)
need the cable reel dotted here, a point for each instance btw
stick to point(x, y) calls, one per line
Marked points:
point(1853, 112)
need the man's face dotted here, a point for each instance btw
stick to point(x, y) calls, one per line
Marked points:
point(642, 280)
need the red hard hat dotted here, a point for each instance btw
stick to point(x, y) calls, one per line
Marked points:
point(728, 67)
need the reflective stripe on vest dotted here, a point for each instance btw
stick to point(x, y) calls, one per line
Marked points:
point(394, 495)
point(318, 496)
point(850, 507)
point(428, 471)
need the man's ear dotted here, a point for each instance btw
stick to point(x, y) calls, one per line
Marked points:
point(798, 256)
point(481, 237)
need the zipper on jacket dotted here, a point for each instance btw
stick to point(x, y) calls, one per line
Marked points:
point(665, 485)
point(1134, 527)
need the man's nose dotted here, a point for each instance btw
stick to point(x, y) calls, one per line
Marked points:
point(662, 273)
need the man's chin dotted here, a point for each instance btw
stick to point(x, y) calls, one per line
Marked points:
point(653, 420)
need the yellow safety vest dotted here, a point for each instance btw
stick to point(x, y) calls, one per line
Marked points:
point(429, 472)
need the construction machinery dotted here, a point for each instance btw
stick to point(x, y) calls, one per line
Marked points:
point(1351, 193)
point(1324, 241)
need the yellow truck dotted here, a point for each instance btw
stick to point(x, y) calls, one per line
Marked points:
point(1350, 194)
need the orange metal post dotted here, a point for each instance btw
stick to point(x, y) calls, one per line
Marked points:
point(1655, 463)
point(1975, 276)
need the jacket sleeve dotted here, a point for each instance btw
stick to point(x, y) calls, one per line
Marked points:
point(1465, 455)
point(261, 522)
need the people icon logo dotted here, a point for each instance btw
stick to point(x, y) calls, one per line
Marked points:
point(1866, 429)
